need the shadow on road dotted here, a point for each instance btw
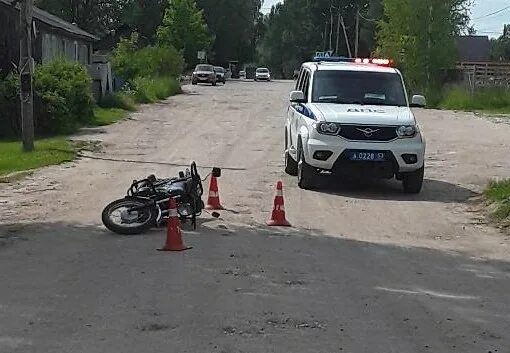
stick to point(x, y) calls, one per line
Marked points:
point(242, 288)
point(433, 190)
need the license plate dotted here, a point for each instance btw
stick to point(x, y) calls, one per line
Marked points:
point(371, 156)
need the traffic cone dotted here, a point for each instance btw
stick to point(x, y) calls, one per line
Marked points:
point(213, 201)
point(278, 216)
point(173, 234)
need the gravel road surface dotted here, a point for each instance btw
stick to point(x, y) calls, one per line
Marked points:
point(365, 268)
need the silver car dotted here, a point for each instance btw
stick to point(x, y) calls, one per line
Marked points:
point(204, 74)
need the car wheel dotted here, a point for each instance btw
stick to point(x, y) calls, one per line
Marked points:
point(305, 172)
point(291, 166)
point(194, 83)
point(214, 83)
point(413, 181)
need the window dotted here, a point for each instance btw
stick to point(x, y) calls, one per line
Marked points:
point(354, 87)
point(306, 84)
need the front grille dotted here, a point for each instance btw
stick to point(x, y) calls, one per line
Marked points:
point(368, 132)
point(203, 75)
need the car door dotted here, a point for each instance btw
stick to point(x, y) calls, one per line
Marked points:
point(296, 109)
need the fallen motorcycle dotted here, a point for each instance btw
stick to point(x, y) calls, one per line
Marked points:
point(146, 203)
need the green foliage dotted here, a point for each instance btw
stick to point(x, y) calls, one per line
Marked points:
point(108, 116)
point(235, 27)
point(121, 100)
point(130, 62)
point(184, 28)
point(488, 99)
point(95, 16)
point(498, 192)
point(295, 30)
point(500, 48)
point(150, 90)
point(46, 152)
point(9, 106)
point(420, 36)
point(64, 89)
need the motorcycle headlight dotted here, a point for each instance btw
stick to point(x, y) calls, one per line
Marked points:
point(328, 128)
point(406, 131)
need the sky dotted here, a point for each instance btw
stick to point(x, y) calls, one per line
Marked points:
point(486, 25)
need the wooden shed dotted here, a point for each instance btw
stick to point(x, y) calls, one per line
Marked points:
point(51, 37)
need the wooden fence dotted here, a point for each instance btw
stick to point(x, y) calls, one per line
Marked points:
point(485, 74)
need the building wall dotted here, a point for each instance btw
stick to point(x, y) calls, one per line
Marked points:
point(55, 46)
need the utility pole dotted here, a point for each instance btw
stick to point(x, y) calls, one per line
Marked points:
point(337, 32)
point(331, 27)
point(346, 37)
point(26, 67)
point(356, 44)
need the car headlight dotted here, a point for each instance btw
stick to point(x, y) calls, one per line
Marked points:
point(328, 128)
point(407, 131)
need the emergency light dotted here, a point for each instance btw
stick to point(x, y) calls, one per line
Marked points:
point(338, 59)
point(380, 62)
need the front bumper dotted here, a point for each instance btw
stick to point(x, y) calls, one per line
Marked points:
point(263, 78)
point(338, 162)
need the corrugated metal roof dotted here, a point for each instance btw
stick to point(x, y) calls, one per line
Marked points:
point(54, 21)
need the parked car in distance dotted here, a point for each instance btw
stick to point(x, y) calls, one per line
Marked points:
point(242, 74)
point(220, 74)
point(204, 74)
point(262, 74)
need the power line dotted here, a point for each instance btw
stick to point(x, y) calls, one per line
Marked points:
point(492, 13)
point(368, 19)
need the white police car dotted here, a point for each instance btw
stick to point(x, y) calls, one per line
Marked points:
point(351, 117)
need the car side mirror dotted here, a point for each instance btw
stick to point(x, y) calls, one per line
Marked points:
point(297, 97)
point(418, 101)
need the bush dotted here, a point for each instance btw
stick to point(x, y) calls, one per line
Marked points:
point(495, 99)
point(64, 90)
point(150, 90)
point(122, 100)
point(129, 62)
point(9, 106)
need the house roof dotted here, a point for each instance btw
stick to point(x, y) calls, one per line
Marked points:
point(54, 21)
point(473, 48)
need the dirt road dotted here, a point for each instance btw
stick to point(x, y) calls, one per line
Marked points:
point(365, 267)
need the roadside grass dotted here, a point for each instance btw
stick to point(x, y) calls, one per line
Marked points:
point(107, 116)
point(151, 90)
point(487, 100)
point(48, 151)
point(498, 194)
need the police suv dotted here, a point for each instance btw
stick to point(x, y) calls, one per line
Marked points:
point(352, 117)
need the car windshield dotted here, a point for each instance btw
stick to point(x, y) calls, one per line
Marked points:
point(204, 68)
point(262, 71)
point(219, 69)
point(355, 87)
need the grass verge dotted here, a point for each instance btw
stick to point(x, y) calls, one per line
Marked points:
point(107, 116)
point(47, 151)
point(498, 194)
point(489, 100)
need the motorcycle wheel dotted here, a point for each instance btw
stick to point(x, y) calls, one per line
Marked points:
point(119, 218)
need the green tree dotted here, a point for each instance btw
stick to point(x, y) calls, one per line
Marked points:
point(500, 48)
point(419, 35)
point(294, 30)
point(233, 27)
point(184, 28)
point(95, 16)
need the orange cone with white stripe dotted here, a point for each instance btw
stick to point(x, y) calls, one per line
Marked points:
point(278, 215)
point(213, 201)
point(173, 235)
